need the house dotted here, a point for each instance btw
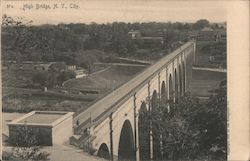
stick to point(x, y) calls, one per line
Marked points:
point(71, 67)
point(80, 72)
point(134, 34)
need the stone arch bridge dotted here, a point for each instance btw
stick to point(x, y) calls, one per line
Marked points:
point(109, 127)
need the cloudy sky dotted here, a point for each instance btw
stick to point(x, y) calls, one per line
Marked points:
point(104, 11)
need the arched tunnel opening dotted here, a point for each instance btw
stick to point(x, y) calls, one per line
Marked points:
point(154, 100)
point(175, 82)
point(184, 77)
point(143, 128)
point(155, 130)
point(180, 79)
point(171, 88)
point(163, 90)
point(103, 152)
point(126, 150)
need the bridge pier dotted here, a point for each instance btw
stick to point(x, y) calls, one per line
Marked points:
point(151, 143)
point(111, 137)
point(136, 129)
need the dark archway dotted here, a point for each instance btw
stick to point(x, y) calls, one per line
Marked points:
point(163, 90)
point(184, 77)
point(143, 128)
point(154, 100)
point(175, 82)
point(126, 150)
point(103, 151)
point(155, 131)
point(180, 78)
point(171, 88)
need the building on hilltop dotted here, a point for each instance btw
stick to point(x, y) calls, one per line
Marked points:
point(81, 72)
point(134, 34)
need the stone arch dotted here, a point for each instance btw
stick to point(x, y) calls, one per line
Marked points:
point(180, 79)
point(143, 129)
point(184, 76)
point(154, 99)
point(170, 87)
point(103, 151)
point(126, 149)
point(155, 132)
point(175, 82)
point(163, 89)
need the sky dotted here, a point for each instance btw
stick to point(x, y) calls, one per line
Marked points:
point(104, 11)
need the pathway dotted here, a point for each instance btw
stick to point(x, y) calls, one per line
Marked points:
point(211, 69)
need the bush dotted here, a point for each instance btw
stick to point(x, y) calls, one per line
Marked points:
point(26, 148)
point(65, 75)
point(40, 78)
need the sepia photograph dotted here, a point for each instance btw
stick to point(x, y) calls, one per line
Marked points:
point(115, 80)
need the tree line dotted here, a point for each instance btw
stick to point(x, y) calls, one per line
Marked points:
point(22, 41)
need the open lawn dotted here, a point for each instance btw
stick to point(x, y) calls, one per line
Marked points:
point(71, 97)
point(16, 78)
point(106, 80)
point(41, 104)
point(203, 53)
point(205, 81)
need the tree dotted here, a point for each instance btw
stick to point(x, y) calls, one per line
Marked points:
point(40, 78)
point(201, 24)
point(26, 147)
point(18, 31)
point(191, 129)
point(65, 75)
point(57, 67)
point(213, 120)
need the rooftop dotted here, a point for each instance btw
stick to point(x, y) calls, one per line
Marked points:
point(47, 118)
point(41, 118)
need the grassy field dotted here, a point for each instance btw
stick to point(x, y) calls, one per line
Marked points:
point(205, 81)
point(203, 54)
point(107, 80)
point(41, 103)
point(17, 98)
point(16, 78)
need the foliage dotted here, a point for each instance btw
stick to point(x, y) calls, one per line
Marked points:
point(87, 58)
point(71, 42)
point(57, 67)
point(40, 78)
point(9, 21)
point(56, 75)
point(26, 148)
point(201, 24)
point(65, 75)
point(190, 130)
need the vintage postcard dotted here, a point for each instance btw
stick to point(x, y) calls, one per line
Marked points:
point(124, 80)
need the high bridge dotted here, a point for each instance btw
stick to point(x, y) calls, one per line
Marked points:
point(109, 127)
